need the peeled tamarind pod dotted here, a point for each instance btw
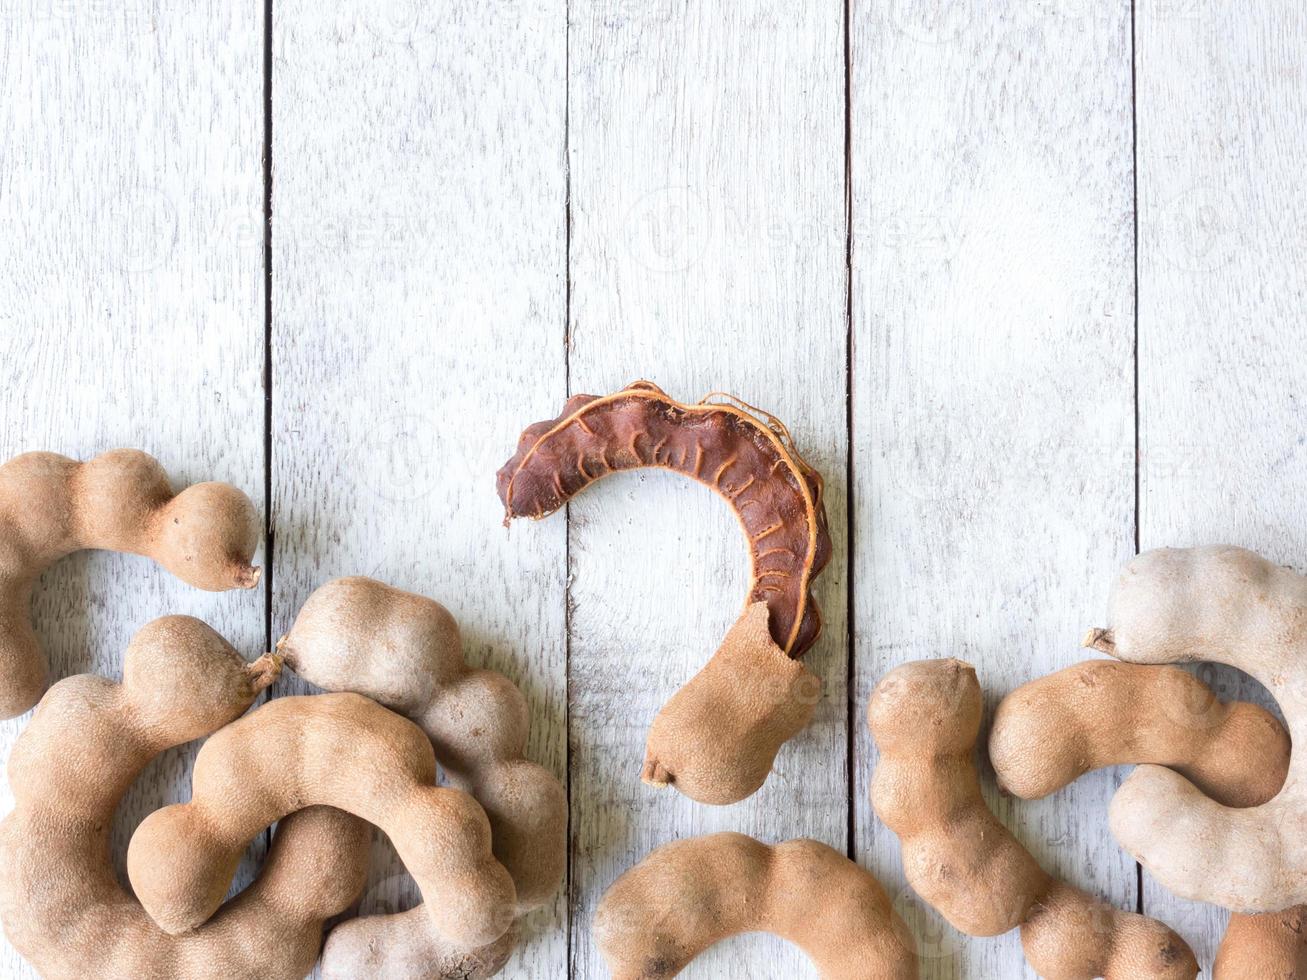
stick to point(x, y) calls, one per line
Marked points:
point(690, 894)
point(60, 900)
point(403, 650)
point(748, 458)
point(1231, 606)
point(52, 506)
point(340, 750)
point(1051, 731)
point(925, 717)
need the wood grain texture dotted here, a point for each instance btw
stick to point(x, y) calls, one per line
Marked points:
point(992, 376)
point(706, 155)
point(1222, 231)
point(419, 284)
point(131, 299)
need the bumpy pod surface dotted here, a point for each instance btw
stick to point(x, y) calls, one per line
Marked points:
point(1051, 731)
point(52, 506)
point(339, 750)
point(403, 650)
point(60, 900)
point(1231, 606)
point(925, 717)
point(1265, 946)
point(748, 458)
point(690, 894)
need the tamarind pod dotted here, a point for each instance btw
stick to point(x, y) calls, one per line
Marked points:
point(690, 894)
point(749, 460)
point(1231, 606)
point(62, 906)
point(717, 738)
point(1265, 946)
point(1050, 731)
point(404, 651)
point(925, 718)
point(52, 506)
point(340, 750)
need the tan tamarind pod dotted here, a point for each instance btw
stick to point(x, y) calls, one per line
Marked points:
point(925, 717)
point(1271, 945)
point(339, 750)
point(403, 650)
point(1231, 606)
point(748, 457)
point(1049, 732)
point(52, 506)
point(1101, 713)
point(60, 900)
point(690, 894)
point(771, 698)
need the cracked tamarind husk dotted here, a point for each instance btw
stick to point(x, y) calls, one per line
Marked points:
point(717, 738)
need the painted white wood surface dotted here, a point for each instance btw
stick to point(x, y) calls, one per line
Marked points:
point(992, 377)
point(708, 253)
point(1222, 95)
point(424, 155)
point(419, 287)
point(131, 299)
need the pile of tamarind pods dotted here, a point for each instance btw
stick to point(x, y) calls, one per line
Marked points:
point(1215, 808)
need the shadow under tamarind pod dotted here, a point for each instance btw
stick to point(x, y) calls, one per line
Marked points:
point(717, 738)
point(52, 506)
point(62, 905)
point(690, 894)
point(404, 651)
point(925, 717)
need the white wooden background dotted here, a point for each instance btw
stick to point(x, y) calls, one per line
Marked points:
point(1027, 278)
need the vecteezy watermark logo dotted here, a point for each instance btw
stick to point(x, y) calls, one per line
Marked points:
point(936, 939)
point(88, 17)
point(403, 21)
point(931, 21)
point(140, 229)
point(668, 230)
point(1201, 229)
point(398, 458)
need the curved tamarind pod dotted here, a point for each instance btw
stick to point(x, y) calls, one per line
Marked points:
point(60, 900)
point(749, 458)
point(750, 461)
point(403, 650)
point(1051, 731)
point(339, 750)
point(925, 717)
point(1232, 606)
point(52, 506)
point(690, 894)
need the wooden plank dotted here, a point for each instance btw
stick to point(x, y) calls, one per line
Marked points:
point(708, 252)
point(131, 299)
point(419, 286)
point(1222, 228)
point(993, 404)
